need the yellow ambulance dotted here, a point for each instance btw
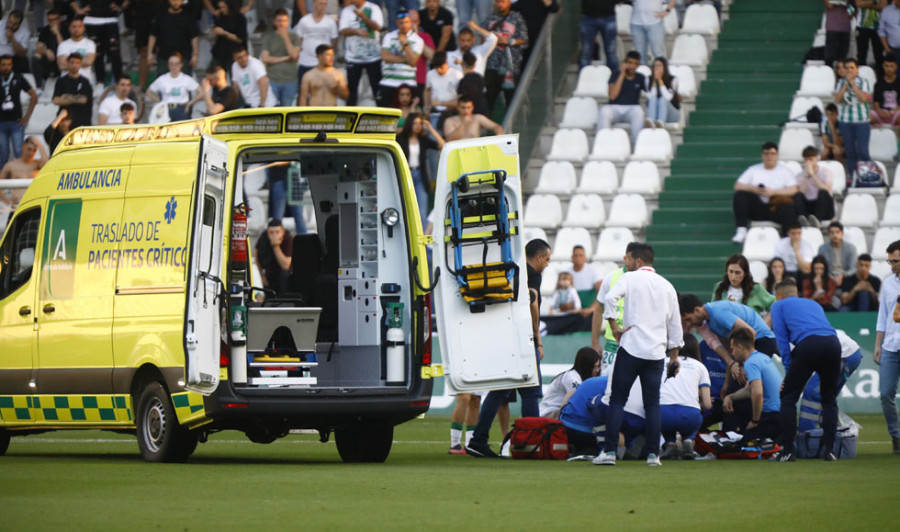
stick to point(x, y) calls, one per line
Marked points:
point(126, 299)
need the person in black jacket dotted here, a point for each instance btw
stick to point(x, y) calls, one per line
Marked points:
point(535, 13)
point(415, 145)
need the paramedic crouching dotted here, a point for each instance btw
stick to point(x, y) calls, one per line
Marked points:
point(537, 256)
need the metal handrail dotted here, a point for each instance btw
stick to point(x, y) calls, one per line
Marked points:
point(540, 50)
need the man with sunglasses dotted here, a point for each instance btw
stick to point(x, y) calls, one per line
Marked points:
point(887, 344)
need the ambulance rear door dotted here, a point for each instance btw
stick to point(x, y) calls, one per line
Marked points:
point(202, 331)
point(483, 346)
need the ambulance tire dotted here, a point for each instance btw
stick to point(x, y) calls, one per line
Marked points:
point(365, 443)
point(4, 441)
point(160, 437)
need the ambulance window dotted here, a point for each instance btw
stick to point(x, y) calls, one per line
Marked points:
point(209, 211)
point(17, 252)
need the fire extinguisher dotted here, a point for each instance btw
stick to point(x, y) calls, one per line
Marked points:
point(239, 238)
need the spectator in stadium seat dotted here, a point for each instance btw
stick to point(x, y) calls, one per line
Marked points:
point(820, 286)
point(102, 26)
point(625, 98)
point(853, 94)
point(467, 44)
point(57, 129)
point(840, 255)
point(14, 40)
point(889, 28)
point(663, 102)
point(647, 27)
point(144, 15)
point(126, 114)
point(867, 32)
point(813, 200)
point(535, 13)
point(174, 30)
point(24, 166)
point(775, 274)
point(427, 52)
point(764, 191)
point(175, 90)
point(796, 252)
point(504, 65)
point(860, 290)
point(406, 100)
point(110, 110)
point(472, 84)
point(323, 85)
point(280, 52)
point(472, 10)
point(584, 275)
point(440, 88)
point(400, 51)
point(837, 31)
point(437, 21)
point(415, 139)
point(832, 143)
point(886, 97)
point(467, 124)
point(317, 28)
point(564, 298)
point(230, 32)
point(80, 44)
point(12, 119)
point(599, 16)
point(763, 390)
point(738, 285)
point(249, 76)
point(43, 62)
point(217, 93)
point(74, 93)
point(360, 23)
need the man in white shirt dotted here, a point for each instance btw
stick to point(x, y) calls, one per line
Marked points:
point(314, 29)
point(77, 42)
point(796, 253)
point(584, 276)
point(174, 89)
point(440, 87)
point(14, 40)
point(110, 110)
point(400, 51)
point(652, 330)
point(250, 77)
point(758, 187)
point(467, 44)
point(360, 23)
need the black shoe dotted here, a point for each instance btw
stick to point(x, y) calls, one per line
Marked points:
point(829, 457)
point(480, 450)
point(782, 456)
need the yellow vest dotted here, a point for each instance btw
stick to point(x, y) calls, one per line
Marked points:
point(617, 274)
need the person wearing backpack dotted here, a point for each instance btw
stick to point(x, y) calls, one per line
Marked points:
point(853, 95)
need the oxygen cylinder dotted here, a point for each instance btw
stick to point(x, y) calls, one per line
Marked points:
point(396, 356)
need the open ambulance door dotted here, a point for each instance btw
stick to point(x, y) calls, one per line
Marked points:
point(482, 301)
point(205, 297)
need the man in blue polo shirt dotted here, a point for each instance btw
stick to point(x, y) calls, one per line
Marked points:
point(584, 416)
point(764, 382)
point(723, 317)
point(802, 322)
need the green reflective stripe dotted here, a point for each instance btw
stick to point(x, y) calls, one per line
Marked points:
point(617, 274)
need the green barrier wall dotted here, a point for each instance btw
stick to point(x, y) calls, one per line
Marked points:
point(860, 395)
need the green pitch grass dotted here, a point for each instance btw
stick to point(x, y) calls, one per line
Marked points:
point(97, 481)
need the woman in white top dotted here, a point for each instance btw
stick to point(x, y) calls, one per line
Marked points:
point(587, 365)
point(174, 89)
point(415, 141)
point(663, 102)
point(681, 398)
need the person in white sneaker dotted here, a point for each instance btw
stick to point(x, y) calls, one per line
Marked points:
point(652, 330)
point(765, 192)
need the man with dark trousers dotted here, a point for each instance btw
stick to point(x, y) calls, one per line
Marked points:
point(537, 256)
point(652, 330)
point(802, 322)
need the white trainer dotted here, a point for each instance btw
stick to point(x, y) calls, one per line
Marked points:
point(653, 460)
point(605, 458)
point(740, 235)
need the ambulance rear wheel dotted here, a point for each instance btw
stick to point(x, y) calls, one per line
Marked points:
point(369, 443)
point(160, 437)
point(4, 441)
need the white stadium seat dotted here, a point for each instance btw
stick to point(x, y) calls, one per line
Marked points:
point(838, 174)
point(585, 210)
point(868, 73)
point(599, 177)
point(792, 143)
point(611, 144)
point(593, 81)
point(653, 145)
point(760, 243)
point(604, 267)
point(800, 106)
point(880, 269)
point(628, 210)
point(551, 274)
point(891, 211)
point(670, 23)
point(531, 233)
point(857, 237)
point(569, 237)
point(687, 82)
point(689, 50)
point(702, 19)
point(859, 210)
point(543, 210)
point(883, 238)
point(557, 177)
point(568, 145)
point(793, 166)
point(612, 243)
point(813, 235)
point(623, 19)
point(871, 191)
point(759, 270)
point(817, 80)
point(645, 71)
point(895, 189)
point(640, 177)
point(882, 145)
point(580, 112)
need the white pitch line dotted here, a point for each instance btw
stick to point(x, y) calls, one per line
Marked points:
point(231, 442)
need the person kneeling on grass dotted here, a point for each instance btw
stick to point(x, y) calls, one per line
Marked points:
point(561, 388)
point(764, 384)
point(681, 398)
point(584, 416)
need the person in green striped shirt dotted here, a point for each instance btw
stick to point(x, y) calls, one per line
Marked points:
point(853, 95)
point(610, 345)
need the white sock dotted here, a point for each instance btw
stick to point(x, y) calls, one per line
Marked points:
point(455, 437)
point(469, 434)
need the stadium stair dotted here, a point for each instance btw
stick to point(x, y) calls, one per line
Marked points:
point(750, 82)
